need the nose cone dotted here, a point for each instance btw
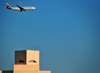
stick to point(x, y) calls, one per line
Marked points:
point(33, 8)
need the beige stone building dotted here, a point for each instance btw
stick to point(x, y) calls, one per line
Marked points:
point(26, 61)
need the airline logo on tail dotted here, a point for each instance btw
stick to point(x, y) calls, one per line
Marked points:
point(8, 6)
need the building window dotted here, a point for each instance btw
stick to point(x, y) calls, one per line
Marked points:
point(33, 61)
point(20, 61)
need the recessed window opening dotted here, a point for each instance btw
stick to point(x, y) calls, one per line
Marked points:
point(33, 61)
point(20, 61)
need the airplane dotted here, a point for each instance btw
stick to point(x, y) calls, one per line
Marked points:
point(19, 8)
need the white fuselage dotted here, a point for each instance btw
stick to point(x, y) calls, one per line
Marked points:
point(25, 8)
point(15, 8)
point(19, 8)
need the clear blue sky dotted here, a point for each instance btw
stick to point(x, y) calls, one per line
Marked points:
point(66, 32)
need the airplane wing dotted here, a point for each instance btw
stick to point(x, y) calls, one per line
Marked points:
point(21, 8)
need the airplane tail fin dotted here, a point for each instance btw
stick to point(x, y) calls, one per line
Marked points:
point(8, 6)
